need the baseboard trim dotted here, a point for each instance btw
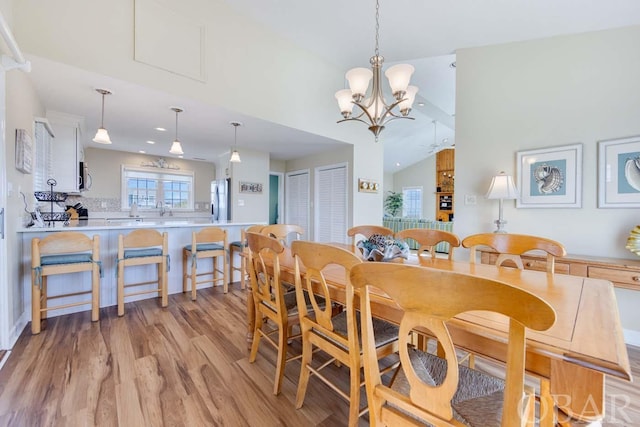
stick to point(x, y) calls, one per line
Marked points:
point(631, 337)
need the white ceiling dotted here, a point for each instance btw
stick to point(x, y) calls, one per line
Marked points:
point(425, 33)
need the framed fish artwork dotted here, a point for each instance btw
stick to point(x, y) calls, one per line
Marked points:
point(550, 177)
point(619, 173)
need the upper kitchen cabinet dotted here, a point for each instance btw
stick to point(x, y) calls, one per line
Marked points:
point(67, 152)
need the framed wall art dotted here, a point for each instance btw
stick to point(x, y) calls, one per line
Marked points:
point(619, 173)
point(550, 177)
point(250, 187)
point(24, 151)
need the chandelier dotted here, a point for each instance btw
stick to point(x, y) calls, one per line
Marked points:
point(375, 112)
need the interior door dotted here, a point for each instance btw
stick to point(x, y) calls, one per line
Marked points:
point(4, 295)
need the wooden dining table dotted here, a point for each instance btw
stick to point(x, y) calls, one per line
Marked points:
point(584, 345)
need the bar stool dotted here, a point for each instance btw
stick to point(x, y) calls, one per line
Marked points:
point(241, 247)
point(61, 253)
point(143, 247)
point(210, 242)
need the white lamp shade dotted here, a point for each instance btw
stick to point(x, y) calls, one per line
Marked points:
point(344, 100)
point(176, 148)
point(399, 77)
point(376, 108)
point(102, 137)
point(359, 80)
point(409, 97)
point(502, 187)
point(235, 157)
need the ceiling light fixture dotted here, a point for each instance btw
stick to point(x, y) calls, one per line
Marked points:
point(176, 147)
point(235, 156)
point(160, 129)
point(375, 111)
point(102, 136)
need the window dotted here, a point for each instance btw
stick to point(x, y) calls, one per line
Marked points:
point(412, 202)
point(42, 162)
point(150, 189)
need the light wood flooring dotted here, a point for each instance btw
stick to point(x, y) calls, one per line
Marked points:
point(186, 365)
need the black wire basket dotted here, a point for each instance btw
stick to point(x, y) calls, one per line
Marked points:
point(50, 196)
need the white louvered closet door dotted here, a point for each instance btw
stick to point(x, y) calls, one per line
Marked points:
point(331, 203)
point(297, 200)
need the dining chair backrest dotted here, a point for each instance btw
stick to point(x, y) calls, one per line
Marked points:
point(367, 231)
point(283, 232)
point(264, 272)
point(314, 258)
point(428, 239)
point(511, 246)
point(448, 294)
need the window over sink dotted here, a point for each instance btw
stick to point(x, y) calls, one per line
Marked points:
point(157, 188)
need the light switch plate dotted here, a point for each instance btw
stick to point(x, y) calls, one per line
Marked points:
point(240, 202)
point(470, 199)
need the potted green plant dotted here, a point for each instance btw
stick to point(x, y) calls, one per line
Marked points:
point(393, 203)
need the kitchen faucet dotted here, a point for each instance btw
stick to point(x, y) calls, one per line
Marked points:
point(162, 208)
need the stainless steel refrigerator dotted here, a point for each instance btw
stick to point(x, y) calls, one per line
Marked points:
point(221, 200)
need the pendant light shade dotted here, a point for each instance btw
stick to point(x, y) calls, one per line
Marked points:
point(176, 147)
point(102, 136)
point(235, 155)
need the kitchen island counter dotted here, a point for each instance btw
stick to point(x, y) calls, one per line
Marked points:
point(179, 230)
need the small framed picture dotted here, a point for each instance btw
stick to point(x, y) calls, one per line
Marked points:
point(550, 177)
point(250, 187)
point(619, 173)
point(24, 151)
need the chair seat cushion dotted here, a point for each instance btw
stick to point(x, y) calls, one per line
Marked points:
point(206, 247)
point(65, 259)
point(237, 244)
point(141, 253)
point(383, 331)
point(479, 398)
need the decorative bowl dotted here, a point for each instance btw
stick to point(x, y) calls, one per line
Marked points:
point(633, 241)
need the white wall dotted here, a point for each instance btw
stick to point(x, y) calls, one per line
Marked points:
point(421, 174)
point(250, 207)
point(545, 93)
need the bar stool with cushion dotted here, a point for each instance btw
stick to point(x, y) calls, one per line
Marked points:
point(210, 242)
point(438, 390)
point(63, 253)
point(240, 246)
point(143, 247)
point(283, 232)
point(367, 231)
point(428, 239)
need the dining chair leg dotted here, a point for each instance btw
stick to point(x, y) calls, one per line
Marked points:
point(225, 274)
point(164, 284)
point(35, 305)
point(305, 373)
point(354, 395)
point(257, 334)
point(43, 298)
point(282, 358)
point(243, 270)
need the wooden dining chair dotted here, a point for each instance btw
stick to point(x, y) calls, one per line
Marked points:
point(511, 246)
point(284, 233)
point(438, 390)
point(428, 239)
point(367, 231)
point(209, 242)
point(271, 302)
point(337, 335)
point(64, 252)
point(240, 247)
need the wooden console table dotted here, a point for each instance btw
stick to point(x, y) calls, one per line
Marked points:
point(624, 273)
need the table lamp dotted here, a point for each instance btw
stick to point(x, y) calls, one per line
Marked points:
point(502, 187)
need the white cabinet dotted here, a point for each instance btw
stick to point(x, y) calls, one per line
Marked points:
point(66, 152)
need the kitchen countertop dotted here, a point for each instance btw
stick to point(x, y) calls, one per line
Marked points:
point(128, 223)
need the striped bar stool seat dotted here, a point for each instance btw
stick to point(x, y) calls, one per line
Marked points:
point(143, 247)
point(63, 253)
point(210, 242)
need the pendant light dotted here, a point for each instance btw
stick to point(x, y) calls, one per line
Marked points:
point(176, 147)
point(235, 156)
point(102, 136)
